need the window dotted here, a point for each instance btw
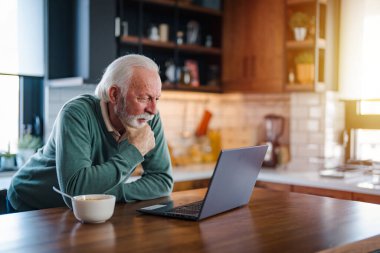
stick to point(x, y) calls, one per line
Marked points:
point(359, 77)
point(367, 144)
point(9, 111)
point(363, 124)
point(369, 108)
point(21, 67)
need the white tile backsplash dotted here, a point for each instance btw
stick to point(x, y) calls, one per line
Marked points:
point(320, 129)
point(313, 121)
point(239, 116)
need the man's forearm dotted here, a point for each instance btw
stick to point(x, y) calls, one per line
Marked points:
point(149, 186)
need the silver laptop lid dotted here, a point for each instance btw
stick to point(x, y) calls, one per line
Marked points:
point(233, 180)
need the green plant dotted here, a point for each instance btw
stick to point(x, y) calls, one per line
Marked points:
point(304, 58)
point(8, 153)
point(299, 19)
point(29, 141)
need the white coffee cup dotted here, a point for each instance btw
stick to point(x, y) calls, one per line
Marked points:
point(164, 32)
point(93, 208)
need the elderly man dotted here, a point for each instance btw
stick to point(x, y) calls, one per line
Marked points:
point(97, 142)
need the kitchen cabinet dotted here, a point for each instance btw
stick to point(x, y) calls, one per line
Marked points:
point(253, 46)
point(305, 55)
point(366, 198)
point(274, 186)
point(311, 62)
point(81, 38)
point(190, 185)
point(323, 192)
point(189, 56)
point(338, 194)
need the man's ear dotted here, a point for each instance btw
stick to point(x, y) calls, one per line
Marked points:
point(114, 93)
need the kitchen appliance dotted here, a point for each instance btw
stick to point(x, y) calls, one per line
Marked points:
point(274, 127)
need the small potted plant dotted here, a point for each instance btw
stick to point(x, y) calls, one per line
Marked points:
point(299, 22)
point(304, 67)
point(7, 159)
point(27, 146)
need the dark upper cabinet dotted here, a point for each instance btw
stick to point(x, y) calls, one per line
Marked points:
point(81, 38)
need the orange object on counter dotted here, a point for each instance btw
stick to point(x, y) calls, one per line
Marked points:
point(203, 125)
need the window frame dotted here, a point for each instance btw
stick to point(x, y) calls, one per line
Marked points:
point(354, 120)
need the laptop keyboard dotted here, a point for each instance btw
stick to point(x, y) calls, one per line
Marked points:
point(191, 209)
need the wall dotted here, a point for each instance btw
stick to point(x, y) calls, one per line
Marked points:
point(314, 122)
point(238, 117)
point(316, 130)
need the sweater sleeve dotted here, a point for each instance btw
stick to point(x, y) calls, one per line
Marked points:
point(75, 169)
point(157, 180)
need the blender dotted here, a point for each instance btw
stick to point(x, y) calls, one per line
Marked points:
point(274, 127)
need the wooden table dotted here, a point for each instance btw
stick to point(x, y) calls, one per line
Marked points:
point(272, 222)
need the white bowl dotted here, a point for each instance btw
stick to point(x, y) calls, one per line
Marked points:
point(93, 208)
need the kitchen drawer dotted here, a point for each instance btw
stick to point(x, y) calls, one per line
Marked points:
point(323, 192)
point(366, 197)
point(189, 185)
point(274, 186)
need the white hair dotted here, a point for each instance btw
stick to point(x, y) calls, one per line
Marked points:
point(120, 72)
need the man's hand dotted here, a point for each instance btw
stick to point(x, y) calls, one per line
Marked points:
point(142, 138)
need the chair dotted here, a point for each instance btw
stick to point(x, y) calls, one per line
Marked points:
point(3, 206)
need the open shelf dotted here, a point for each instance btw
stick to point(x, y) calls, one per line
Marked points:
point(200, 9)
point(306, 57)
point(199, 49)
point(292, 44)
point(305, 87)
point(190, 60)
point(184, 6)
point(297, 2)
point(159, 44)
point(129, 39)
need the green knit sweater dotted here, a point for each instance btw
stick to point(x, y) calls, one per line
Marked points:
point(82, 157)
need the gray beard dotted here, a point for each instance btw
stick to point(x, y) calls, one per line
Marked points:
point(130, 120)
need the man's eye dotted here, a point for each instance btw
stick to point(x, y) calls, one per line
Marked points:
point(144, 99)
point(147, 99)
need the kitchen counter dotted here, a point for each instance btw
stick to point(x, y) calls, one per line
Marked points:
point(279, 175)
point(357, 183)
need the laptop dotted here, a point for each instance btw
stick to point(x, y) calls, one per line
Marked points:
point(231, 186)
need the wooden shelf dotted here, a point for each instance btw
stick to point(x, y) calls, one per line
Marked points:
point(134, 40)
point(299, 87)
point(160, 44)
point(174, 13)
point(199, 49)
point(291, 2)
point(199, 9)
point(292, 44)
point(170, 3)
point(182, 87)
point(305, 87)
point(185, 6)
point(129, 39)
point(199, 88)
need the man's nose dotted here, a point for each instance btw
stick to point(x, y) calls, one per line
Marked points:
point(151, 107)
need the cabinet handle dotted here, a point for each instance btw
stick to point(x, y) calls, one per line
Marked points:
point(245, 66)
point(117, 27)
point(252, 66)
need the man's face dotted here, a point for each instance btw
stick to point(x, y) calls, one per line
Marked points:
point(139, 105)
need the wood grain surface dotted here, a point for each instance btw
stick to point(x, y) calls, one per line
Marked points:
point(272, 222)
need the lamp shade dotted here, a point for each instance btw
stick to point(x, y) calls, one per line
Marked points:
point(359, 63)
